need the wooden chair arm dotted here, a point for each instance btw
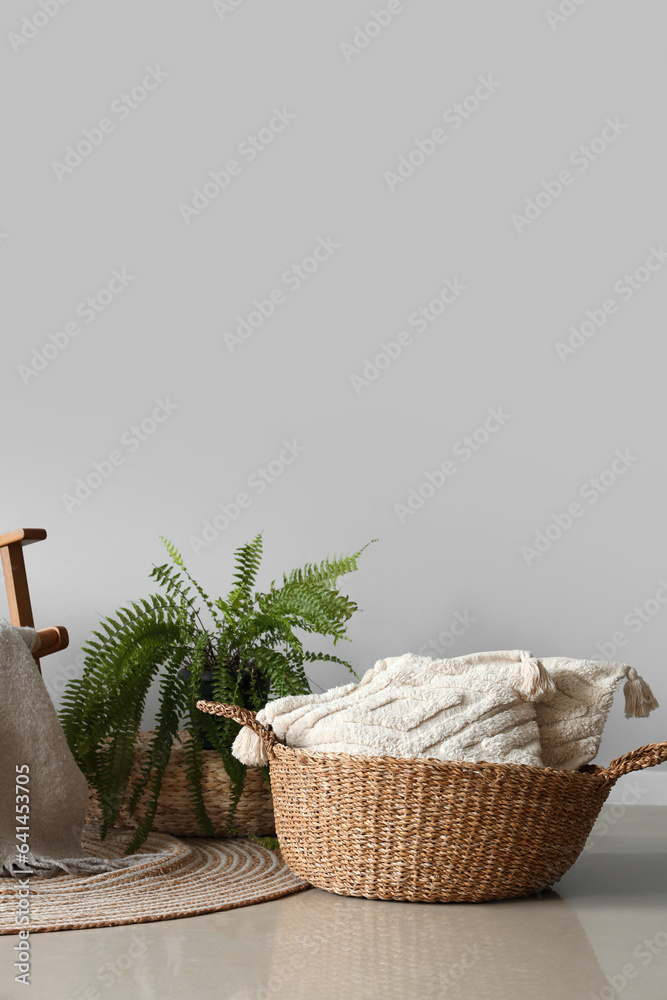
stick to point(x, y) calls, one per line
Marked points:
point(23, 535)
point(18, 595)
point(51, 640)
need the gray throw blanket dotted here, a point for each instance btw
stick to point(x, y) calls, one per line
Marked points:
point(43, 794)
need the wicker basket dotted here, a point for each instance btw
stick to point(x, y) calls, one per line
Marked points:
point(175, 815)
point(425, 829)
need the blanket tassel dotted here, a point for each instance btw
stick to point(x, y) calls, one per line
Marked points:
point(249, 748)
point(639, 699)
point(537, 683)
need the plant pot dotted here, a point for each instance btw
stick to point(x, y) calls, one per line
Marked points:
point(175, 815)
point(205, 685)
point(206, 694)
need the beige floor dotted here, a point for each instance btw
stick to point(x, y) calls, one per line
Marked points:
point(607, 918)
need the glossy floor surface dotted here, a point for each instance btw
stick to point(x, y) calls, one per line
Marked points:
point(602, 933)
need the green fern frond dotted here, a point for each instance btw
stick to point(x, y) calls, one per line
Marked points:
point(166, 728)
point(247, 559)
point(329, 658)
point(328, 570)
point(318, 608)
point(193, 773)
point(178, 560)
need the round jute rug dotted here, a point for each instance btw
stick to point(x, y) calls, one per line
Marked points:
point(184, 877)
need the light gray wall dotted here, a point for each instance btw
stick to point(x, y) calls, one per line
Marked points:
point(330, 178)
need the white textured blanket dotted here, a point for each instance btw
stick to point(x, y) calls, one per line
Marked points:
point(412, 706)
point(503, 707)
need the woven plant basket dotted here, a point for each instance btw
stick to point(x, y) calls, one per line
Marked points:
point(430, 830)
point(175, 815)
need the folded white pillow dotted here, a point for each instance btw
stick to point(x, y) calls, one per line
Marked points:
point(501, 707)
point(572, 701)
point(572, 720)
point(412, 706)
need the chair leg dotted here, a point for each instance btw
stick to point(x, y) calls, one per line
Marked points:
point(16, 581)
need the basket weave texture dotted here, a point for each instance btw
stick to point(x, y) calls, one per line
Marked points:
point(175, 814)
point(431, 830)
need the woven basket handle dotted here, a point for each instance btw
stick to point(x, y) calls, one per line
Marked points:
point(636, 760)
point(242, 715)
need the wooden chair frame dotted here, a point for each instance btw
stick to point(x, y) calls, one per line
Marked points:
point(18, 596)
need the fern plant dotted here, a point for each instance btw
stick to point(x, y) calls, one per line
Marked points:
point(248, 645)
